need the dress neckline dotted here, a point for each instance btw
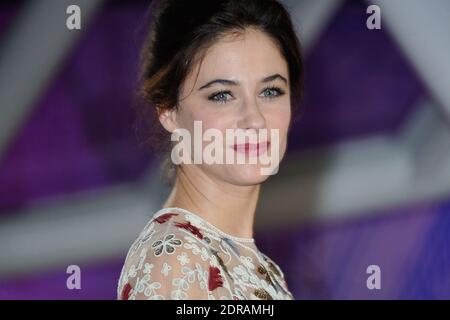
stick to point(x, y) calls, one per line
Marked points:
point(216, 229)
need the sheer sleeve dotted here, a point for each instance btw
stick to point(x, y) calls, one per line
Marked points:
point(171, 266)
point(179, 256)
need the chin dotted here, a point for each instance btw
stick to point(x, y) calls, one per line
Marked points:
point(245, 175)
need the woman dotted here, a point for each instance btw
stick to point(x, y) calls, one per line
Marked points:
point(228, 65)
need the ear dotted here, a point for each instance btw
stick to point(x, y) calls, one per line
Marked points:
point(167, 118)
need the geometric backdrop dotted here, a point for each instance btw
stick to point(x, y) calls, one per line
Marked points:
point(79, 137)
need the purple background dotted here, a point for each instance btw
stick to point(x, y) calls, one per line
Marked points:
point(80, 136)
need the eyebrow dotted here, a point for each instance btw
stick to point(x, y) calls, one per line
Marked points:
point(235, 83)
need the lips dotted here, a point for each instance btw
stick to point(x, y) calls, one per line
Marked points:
point(252, 149)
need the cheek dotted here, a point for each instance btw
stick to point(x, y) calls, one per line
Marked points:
point(280, 119)
point(197, 111)
point(189, 116)
point(213, 122)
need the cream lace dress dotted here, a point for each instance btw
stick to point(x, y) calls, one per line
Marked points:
point(179, 255)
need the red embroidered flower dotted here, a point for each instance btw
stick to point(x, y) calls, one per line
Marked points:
point(215, 279)
point(192, 229)
point(126, 291)
point(163, 218)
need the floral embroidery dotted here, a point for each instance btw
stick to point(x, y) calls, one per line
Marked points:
point(182, 284)
point(242, 273)
point(247, 261)
point(126, 291)
point(146, 234)
point(262, 270)
point(207, 240)
point(220, 261)
point(238, 294)
point(165, 217)
point(132, 272)
point(165, 269)
point(148, 267)
point(204, 261)
point(191, 228)
point(225, 242)
point(193, 219)
point(147, 287)
point(167, 245)
point(183, 258)
point(272, 267)
point(262, 294)
point(215, 279)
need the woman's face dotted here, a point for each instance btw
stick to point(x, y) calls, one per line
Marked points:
point(242, 83)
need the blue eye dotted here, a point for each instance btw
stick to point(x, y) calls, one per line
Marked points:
point(225, 96)
point(272, 92)
point(220, 97)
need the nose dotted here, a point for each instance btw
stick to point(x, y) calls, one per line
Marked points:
point(251, 116)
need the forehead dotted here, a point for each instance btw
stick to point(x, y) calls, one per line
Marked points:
point(247, 56)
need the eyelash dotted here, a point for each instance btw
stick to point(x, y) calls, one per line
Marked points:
point(278, 91)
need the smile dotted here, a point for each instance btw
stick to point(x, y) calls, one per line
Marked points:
point(252, 149)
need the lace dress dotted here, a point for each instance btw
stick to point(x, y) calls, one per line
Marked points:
point(179, 255)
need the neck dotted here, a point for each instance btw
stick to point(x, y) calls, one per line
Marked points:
point(229, 207)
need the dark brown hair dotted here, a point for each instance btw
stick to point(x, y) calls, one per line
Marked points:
point(179, 34)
